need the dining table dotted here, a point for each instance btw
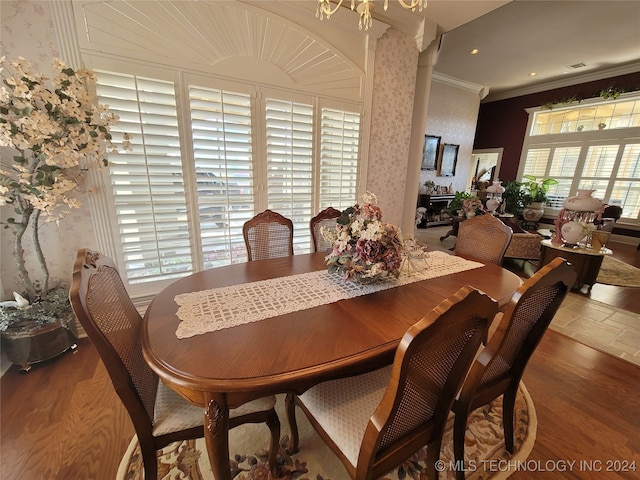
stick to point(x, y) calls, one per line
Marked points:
point(227, 363)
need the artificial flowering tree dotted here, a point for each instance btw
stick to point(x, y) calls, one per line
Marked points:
point(52, 131)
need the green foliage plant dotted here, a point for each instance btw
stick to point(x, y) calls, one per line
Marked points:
point(513, 197)
point(535, 189)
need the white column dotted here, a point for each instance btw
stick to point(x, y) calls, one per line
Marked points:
point(427, 59)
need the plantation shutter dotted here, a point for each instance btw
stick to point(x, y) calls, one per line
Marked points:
point(626, 186)
point(289, 132)
point(147, 183)
point(339, 146)
point(536, 162)
point(221, 131)
point(564, 162)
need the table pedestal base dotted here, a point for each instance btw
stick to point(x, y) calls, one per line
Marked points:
point(585, 264)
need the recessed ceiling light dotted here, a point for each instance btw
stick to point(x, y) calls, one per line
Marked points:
point(475, 51)
point(533, 74)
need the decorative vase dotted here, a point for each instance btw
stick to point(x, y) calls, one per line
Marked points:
point(533, 212)
point(25, 347)
point(494, 195)
point(572, 233)
point(496, 187)
point(492, 204)
point(583, 202)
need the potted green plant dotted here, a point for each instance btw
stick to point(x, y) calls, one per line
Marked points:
point(57, 130)
point(536, 190)
point(513, 197)
point(535, 195)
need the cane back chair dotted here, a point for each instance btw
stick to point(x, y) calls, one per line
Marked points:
point(377, 420)
point(268, 235)
point(326, 218)
point(484, 238)
point(159, 415)
point(499, 367)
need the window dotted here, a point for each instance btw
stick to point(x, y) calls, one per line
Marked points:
point(290, 165)
point(222, 152)
point(181, 196)
point(339, 146)
point(623, 113)
point(593, 146)
point(148, 192)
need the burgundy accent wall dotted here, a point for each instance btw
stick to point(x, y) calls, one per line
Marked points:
point(503, 123)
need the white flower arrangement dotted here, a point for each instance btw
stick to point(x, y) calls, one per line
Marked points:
point(365, 248)
point(58, 130)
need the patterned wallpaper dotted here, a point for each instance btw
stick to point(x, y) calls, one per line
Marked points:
point(394, 83)
point(452, 115)
point(27, 31)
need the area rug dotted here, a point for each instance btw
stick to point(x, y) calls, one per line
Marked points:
point(484, 450)
point(615, 272)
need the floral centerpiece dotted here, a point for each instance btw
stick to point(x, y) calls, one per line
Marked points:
point(365, 248)
point(57, 130)
point(472, 207)
point(465, 205)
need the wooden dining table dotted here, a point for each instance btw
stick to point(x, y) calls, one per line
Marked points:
point(289, 353)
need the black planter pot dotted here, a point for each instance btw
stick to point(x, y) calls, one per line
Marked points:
point(26, 347)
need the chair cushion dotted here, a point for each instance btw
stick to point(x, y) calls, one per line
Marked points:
point(343, 407)
point(174, 413)
point(524, 246)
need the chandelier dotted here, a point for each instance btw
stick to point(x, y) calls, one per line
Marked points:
point(364, 8)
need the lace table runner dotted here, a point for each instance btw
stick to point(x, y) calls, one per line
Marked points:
point(225, 307)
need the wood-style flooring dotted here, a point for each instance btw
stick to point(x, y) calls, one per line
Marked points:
point(63, 421)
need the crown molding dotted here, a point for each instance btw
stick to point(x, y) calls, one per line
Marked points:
point(567, 81)
point(481, 90)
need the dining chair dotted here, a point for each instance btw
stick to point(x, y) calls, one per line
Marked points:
point(499, 367)
point(268, 235)
point(523, 245)
point(484, 238)
point(326, 218)
point(610, 215)
point(159, 415)
point(377, 420)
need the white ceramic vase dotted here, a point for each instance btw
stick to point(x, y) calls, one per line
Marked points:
point(583, 202)
point(492, 204)
point(533, 212)
point(572, 233)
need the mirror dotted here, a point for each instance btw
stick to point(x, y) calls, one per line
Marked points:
point(485, 167)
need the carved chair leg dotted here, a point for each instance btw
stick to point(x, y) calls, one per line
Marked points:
point(290, 408)
point(433, 455)
point(459, 431)
point(508, 409)
point(149, 460)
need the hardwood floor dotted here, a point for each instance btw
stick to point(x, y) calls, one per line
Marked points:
point(621, 297)
point(63, 420)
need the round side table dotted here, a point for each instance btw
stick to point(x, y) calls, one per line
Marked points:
point(586, 262)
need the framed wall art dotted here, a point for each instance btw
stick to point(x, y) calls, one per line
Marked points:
point(430, 152)
point(448, 160)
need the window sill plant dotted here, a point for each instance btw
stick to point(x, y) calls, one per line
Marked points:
point(56, 130)
point(536, 190)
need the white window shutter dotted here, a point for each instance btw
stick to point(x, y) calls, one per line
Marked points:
point(289, 131)
point(147, 184)
point(339, 147)
point(221, 130)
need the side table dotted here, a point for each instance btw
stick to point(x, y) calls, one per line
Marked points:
point(586, 262)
